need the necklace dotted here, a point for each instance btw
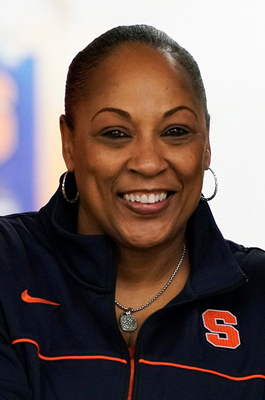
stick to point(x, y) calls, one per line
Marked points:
point(128, 322)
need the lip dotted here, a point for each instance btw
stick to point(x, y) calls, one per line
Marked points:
point(147, 208)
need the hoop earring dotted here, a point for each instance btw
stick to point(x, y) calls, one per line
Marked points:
point(74, 199)
point(215, 188)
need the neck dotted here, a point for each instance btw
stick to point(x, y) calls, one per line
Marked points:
point(141, 267)
point(141, 278)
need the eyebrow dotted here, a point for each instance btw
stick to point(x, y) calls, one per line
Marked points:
point(122, 113)
point(176, 109)
point(126, 115)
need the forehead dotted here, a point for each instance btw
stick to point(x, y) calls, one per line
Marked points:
point(136, 74)
point(136, 59)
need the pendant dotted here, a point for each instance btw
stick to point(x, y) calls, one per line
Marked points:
point(128, 322)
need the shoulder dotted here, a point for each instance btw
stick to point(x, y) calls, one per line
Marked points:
point(18, 224)
point(19, 232)
point(250, 259)
point(24, 250)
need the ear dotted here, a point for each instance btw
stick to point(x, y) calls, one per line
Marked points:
point(67, 137)
point(207, 160)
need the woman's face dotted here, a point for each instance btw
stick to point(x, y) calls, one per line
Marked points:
point(139, 148)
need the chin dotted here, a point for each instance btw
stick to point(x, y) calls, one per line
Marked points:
point(145, 241)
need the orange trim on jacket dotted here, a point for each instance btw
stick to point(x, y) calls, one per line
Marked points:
point(209, 371)
point(132, 365)
point(58, 358)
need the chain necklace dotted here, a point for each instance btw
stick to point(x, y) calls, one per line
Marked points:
point(128, 322)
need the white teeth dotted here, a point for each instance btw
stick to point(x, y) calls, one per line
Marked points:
point(161, 197)
point(144, 199)
point(152, 198)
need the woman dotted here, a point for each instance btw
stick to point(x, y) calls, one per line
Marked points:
point(122, 286)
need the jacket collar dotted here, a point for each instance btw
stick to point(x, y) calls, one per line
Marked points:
point(90, 259)
point(213, 265)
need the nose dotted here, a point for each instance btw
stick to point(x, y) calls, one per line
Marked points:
point(147, 158)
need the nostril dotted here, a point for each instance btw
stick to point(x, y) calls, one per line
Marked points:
point(147, 166)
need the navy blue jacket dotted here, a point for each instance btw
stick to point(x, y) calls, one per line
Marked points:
point(59, 339)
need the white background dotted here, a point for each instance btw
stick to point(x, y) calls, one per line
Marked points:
point(228, 41)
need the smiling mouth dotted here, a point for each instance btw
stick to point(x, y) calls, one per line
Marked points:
point(150, 198)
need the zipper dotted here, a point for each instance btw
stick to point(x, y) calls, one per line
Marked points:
point(132, 370)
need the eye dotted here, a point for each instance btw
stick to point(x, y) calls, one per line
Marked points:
point(176, 131)
point(115, 134)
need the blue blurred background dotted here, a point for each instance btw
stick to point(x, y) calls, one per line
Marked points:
point(17, 127)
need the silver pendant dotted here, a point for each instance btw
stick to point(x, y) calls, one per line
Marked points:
point(128, 322)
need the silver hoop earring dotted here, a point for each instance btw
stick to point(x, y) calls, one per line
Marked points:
point(75, 198)
point(215, 188)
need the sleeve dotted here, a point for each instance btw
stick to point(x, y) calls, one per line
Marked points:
point(13, 379)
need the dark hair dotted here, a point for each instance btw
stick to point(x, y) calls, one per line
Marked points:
point(101, 47)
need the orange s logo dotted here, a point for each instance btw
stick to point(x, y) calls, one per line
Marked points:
point(219, 323)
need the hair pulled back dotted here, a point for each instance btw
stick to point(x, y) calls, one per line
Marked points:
point(91, 56)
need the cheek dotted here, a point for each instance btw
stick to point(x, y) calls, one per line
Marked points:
point(190, 169)
point(191, 163)
point(96, 172)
